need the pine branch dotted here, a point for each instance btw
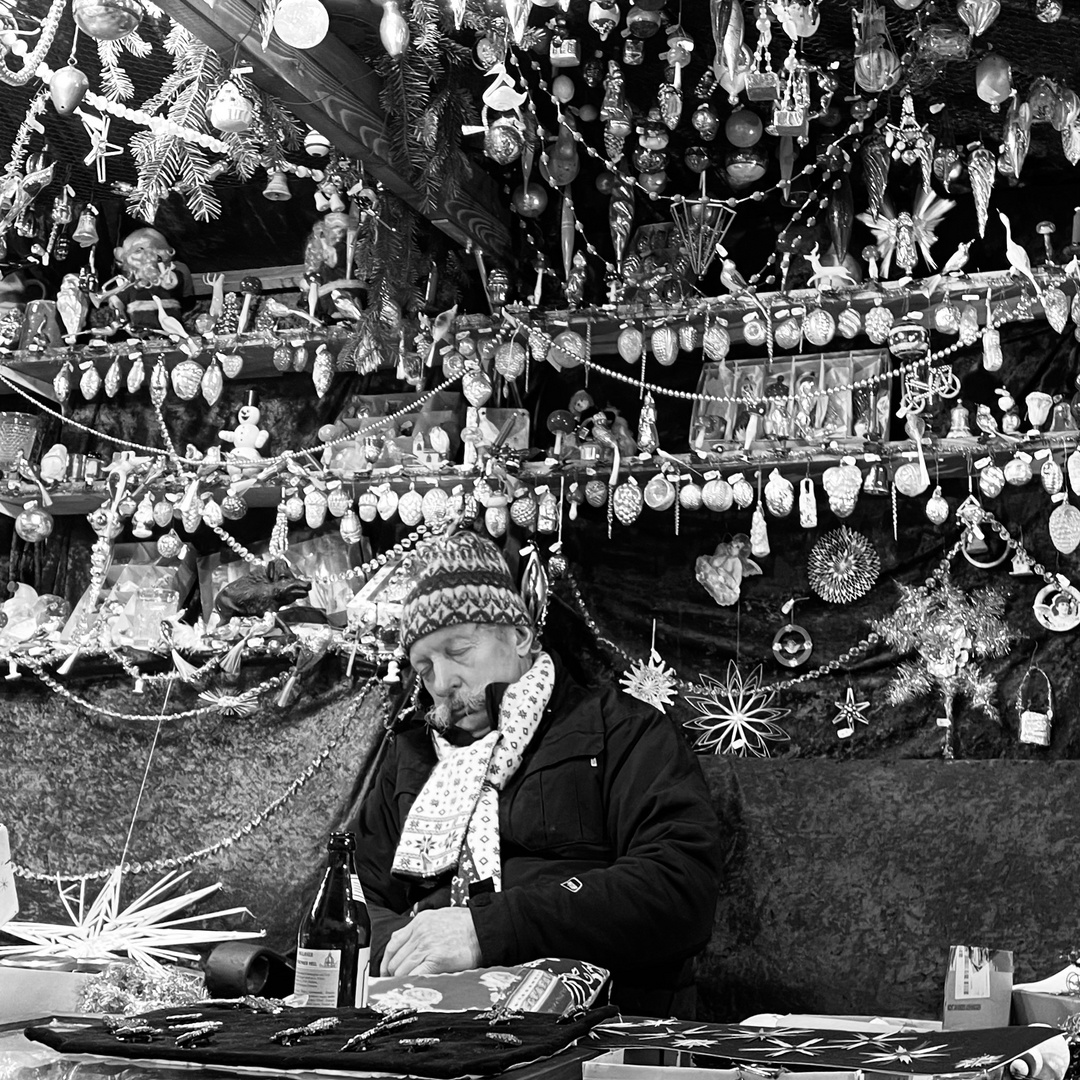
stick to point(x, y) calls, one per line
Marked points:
point(135, 44)
point(115, 80)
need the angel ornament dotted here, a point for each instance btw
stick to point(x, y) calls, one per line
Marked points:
point(904, 236)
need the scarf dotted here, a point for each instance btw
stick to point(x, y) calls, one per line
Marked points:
point(454, 823)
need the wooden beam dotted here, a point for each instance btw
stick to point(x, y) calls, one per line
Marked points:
point(333, 90)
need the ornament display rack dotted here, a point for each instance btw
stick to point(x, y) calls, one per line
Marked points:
point(902, 297)
point(947, 459)
point(256, 348)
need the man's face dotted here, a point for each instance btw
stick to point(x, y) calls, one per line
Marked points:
point(458, 663)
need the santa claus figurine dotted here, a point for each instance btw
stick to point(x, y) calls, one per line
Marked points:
point(148, 272)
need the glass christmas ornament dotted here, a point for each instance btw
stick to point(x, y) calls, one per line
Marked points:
point(107, 20)
point(937, 508)
point(978, 15)
point(787, 332)
point(705, 121)
point(744, 167)
point(993, 80)
point(393, 29)
point(229, 110)
point(33, 524)
point(743, 128)
point(718, 495)
point(301, 23)
point(67, 88)
point(1043, 98)
point(991, 354)
point(529, 200)
point(819, 327)
point(878, 321)
point(1048, 11)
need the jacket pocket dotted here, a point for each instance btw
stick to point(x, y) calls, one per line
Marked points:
point(558, 809)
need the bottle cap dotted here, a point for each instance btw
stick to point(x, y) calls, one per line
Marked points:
point(339, 840)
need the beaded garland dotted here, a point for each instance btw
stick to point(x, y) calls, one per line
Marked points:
point(861, 647)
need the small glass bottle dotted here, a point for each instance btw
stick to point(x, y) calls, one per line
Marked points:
point(333, 945)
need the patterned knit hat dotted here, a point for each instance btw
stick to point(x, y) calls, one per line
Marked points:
point(460, 579)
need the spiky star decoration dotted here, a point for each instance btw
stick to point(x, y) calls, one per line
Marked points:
point(651, 681)
point(905, 235)
point(145, 930)
point(737, 716)
point(949, 631)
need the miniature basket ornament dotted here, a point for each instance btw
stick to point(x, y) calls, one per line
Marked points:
point(702, 223)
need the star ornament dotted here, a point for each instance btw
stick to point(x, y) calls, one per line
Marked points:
point(849, 713)
point(651, 681)
point(97, 127)
point(906, 1055)
point(738, 716)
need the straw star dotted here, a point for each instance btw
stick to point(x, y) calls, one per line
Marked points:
point(97, 127)
point(849, 712)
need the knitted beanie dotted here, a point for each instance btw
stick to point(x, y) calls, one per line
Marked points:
point(462, 578)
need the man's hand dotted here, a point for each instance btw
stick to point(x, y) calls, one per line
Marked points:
point(435, 941)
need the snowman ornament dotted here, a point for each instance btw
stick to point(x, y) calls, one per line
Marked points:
point(247, 440)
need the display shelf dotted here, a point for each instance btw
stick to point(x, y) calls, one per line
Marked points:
point(948, 458)
point(256, 349)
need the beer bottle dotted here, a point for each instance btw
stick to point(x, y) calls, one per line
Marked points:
point(333, 945)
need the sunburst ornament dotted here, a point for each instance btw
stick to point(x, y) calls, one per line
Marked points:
point(843, 566)
point(145, 930)
point(234, 705)
point(97, 127)
point(651, 681)
point(738, 716)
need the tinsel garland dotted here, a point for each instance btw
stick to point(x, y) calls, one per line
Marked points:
point(29, 125)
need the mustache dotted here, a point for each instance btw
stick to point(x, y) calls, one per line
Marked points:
point(442, 714)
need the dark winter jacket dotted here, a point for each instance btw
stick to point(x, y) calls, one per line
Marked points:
point(610, 846)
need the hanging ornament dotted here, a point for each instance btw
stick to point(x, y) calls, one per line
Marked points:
point(1057, 607)
point(762, 82)
point(978, 15)
point(1064, 525)
point(705, 121)
point(1035, 706)
point(113, 379)
point(993, 80)
point(690, 496)
point(792, 644)
point(877, 66)
point(937, 507)
point(651, 681)
point(107, 20)
point(779, 494)
point(626, 502)
point(1056, 308)
point(843, 566)
point(842, 483)
point(186, 379)
point(716, 341)
point(615, 113)
point(604, 16)
point(759, 534)
point(90, 381)
point(665, 345)
point(621, 215)
point(33, 524)
point(702, 224)
point(738, 716)
point(322, 371)
point(818, 327)
point(849, 712)
point(722, 573)
point(808, 518)
point(731, 58)
point(840, 215)
point(67, 88)
point(742, 491)
point(229, 110)
point(1017, 135)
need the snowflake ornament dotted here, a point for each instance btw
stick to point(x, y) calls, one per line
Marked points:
point(651, 681)
point(737, 716)
point(980, 1061)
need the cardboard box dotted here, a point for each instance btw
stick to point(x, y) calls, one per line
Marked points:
point(1049, 1001)
point(978, 988)
point(31, 987)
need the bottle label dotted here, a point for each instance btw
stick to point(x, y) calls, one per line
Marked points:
point(357, 889)
point(363, 963)
point(317, 972)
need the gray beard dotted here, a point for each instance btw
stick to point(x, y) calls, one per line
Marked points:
point(444, 714)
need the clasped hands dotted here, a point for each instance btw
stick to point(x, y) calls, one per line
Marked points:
point(434, 941)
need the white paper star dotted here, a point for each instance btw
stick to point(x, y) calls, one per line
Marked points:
point(97, 127)
point(869, 1041)
point(738, 715)
point(650, 681)
point(849, 713)
point(979, 1061)
point(692, 1044)
point(782, 1047)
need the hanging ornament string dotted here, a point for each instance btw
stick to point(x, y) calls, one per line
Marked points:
point(158, 866)
point(932, 581)
point(273, 683)
point(368, 425)
point(32, 61)
point(868, 383)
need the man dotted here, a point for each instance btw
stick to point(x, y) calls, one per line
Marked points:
point(528, 817)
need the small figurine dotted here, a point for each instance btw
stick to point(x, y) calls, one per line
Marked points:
point(777, 421)
point(575, 282)
point(148, 273)
point(247, 437)
point(72, 306)
point(648, 439)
